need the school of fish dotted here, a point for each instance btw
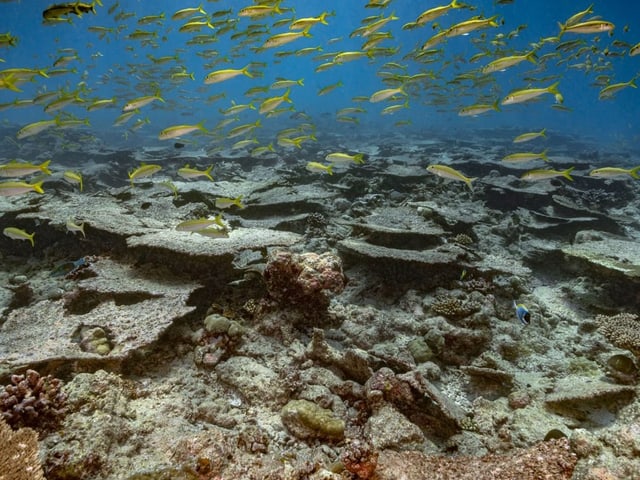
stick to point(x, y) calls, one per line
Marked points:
point(267, 35)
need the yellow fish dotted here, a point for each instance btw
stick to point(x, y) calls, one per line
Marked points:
point(226, 74)
point(144, 170)
point(19, 234)
point(447, 172)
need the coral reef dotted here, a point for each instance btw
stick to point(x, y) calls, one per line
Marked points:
point(302, 280)
point(33, 401)
point(623, 330)
point(19, 454)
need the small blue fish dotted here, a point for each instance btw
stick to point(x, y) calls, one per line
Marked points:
point(522, 313)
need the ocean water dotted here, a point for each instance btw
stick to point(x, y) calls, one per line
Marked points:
point(110, 64)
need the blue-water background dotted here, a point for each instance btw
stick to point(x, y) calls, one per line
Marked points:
point(116, 66)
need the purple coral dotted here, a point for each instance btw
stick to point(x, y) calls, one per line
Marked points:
point(33, 401)
point(302, 280)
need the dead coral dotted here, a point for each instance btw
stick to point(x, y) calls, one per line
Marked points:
point(552, 459)
point(19, 454)
point(33, 401)
point(301, 281)
point(623, 330)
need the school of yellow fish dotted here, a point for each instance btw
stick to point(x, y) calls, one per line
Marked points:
point(584, 42)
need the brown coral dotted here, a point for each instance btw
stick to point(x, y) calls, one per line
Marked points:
point(623, 330)
point(33, 401)
point(19, 454)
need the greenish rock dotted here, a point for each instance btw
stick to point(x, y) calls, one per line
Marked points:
point(219, 325)
point(216, 324)
point(554, 434)
point(622, 364)
point(419, 350)
point(305, 420)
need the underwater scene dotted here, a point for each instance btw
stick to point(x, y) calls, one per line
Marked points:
point(337, 240)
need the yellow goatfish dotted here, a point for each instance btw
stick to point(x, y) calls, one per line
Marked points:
point(20, 169)
point(8, 189)
point(447, 172)
point(535, 175)
point(612, 172)
point(180, 130)
point(144, 170)
point(191, 173)
point(525, 137)
point(226, 74)
point(18, 234)
point(527, 94)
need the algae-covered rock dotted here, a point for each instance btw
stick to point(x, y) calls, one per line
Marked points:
point(305, 420)
point(419, 350)
point(219, 325)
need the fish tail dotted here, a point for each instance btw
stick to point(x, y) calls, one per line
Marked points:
point(81, 228)
point(358, 158)
point(30, 237)
point(9, 82)
point(634, 172)
point(532, 57)
point(567, 174)
point(207, 172)
point(330, 169)
point(200, 126)
point(455, 4)
point(245, 71)
point(323, 18)
point(81, 184)
point(563, 28)
point(553, 88)
point(544, 156)
point(238, 201)
point(496, 105)
point(305, 32)
point(285, 97)
point(632, 83)
point(37, 187)
point(469, 183)
point(43, 167)
point(543, 132)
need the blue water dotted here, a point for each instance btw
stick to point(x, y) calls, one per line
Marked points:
point(116, 66)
